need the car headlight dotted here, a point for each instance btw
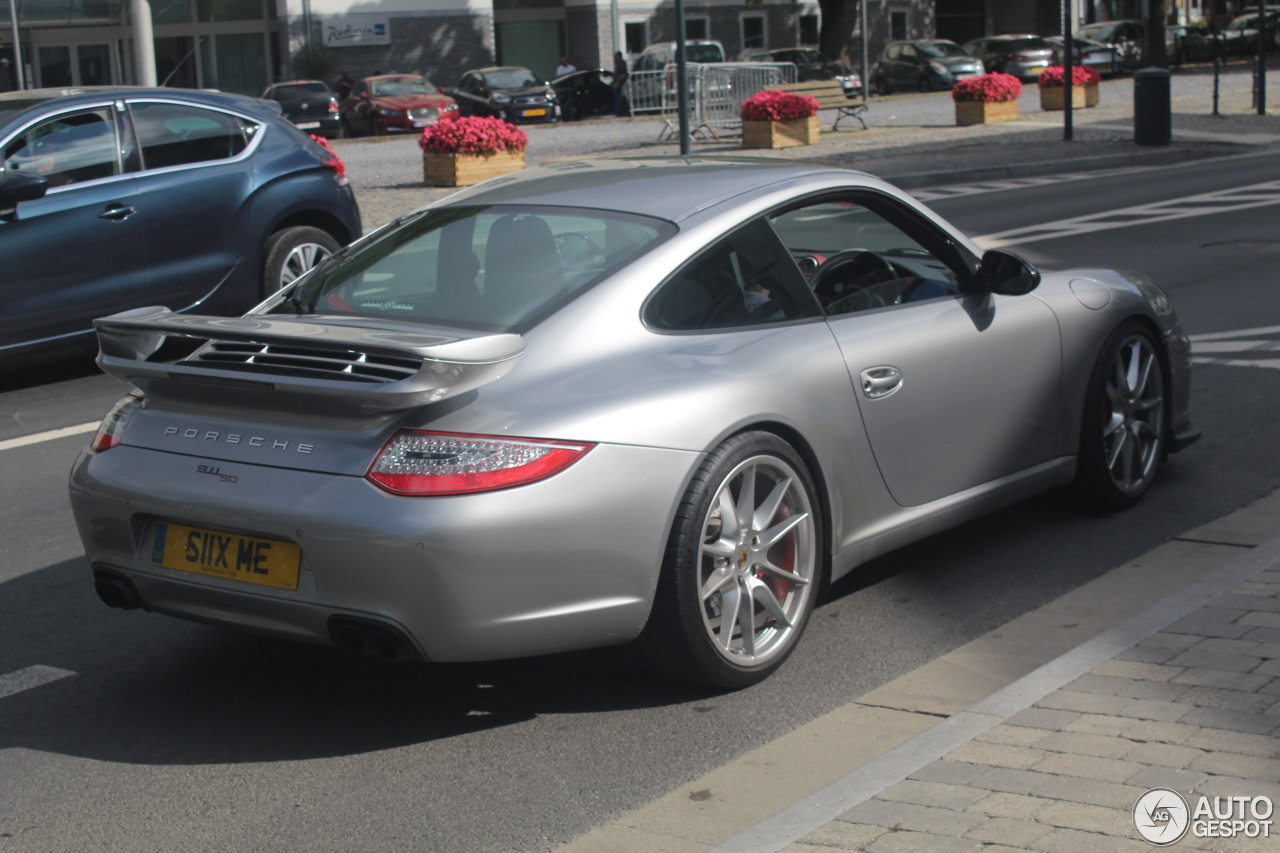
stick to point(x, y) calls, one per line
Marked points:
point(448, 108)
point(938, 67)
point(551, 94)
point(502, 99)
point(387, 111)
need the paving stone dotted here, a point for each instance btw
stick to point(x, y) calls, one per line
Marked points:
point(1220, 645)
point(1088, 767)
point(798, 847)
point(1165, 755)
point(1099, 724)
point(1263, 635)
point(1011, 735)
point(1245, 681)
point(1231, 700)
point(1009, 780)
point(950, 772)
point(1085, 703)
point(1090, 683)
point(1075, 841)
point(1234, 786)
point(943, 821)
point(1236, 721)
point(1155, 709)
point(1259, 746)
point(1012, 806)
point(1042, 718)
point(1231, 764)
point(932, 794)
point(1148, 654)
point(1137, 670)
point(1214, 660)
point(1271, 689)
point(921, 842)
point(1271, 667)
point(1163, 691)
point(1274, 709)
point(1171, 641)
point(839, 835)
point(997, 754)
point(1092, 791)
point(1001, 830)
point(1267, 650)
point(1083, 744)
point(1149, 731)
point(1183, 781)
point(1261, 620)
point(1109, 821)
point(1205, 626)
point(879, 813)
point(1244, 601)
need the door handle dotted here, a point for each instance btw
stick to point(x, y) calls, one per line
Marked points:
point(117, 212)
point(880, 381)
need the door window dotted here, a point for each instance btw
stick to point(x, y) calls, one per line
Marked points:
point(177, 135)
point(745, 279)
point(69, 149)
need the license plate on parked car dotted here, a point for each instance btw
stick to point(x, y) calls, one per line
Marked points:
point(534, 113)
point(421, 123)
point(308, 125)
point(265, 562)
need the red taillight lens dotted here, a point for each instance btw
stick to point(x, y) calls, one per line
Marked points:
point(333, 105)
point(1018, 57)
point(111, 432)
point(443, 463)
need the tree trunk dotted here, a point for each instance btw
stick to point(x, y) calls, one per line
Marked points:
point(838, 20)
point(1155, 47)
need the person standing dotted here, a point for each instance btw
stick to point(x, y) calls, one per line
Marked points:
point(6, 79)
point(565, 67)
point(344, 85)
point(620, 75)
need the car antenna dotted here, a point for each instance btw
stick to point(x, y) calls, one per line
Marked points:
point(179, 65)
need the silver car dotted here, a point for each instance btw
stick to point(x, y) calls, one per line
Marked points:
point(654, 403)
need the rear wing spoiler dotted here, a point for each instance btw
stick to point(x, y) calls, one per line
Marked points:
point(316, 364)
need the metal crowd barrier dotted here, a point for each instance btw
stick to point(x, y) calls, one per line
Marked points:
point(716, 93)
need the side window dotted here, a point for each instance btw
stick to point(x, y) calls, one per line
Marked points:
point(893, 51)
point(908, 51)
point(69, 149)
point(745, 279)
point(177, 135)
point(858, 258)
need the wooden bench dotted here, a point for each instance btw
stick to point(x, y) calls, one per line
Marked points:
point(830, 96)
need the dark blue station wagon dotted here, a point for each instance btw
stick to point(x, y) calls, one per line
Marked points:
point(118, 198)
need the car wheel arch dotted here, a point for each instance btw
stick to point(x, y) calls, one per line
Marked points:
point(323, 220)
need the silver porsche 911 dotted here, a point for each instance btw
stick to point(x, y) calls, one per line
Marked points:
point(661, 403)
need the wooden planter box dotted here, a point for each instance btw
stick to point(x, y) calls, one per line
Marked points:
point(780, 134)
point(463, 170)
point(985, 112)
point(1052, 98)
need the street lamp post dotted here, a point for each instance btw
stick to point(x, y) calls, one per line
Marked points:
point(1068, 81)
point(1262, 58)
point(682, 81)
point(17, 46)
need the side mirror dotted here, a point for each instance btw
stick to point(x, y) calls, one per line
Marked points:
point(17, 187)
point(1007, 274)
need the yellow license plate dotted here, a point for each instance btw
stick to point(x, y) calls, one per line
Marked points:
point(226, 555)
point(534, 112)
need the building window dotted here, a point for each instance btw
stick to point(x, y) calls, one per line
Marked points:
point(808, 30)
point(636, 36)
point(752, 32)
point(898, 26)
point(697, 29)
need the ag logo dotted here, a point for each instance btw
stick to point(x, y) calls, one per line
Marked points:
point(1161, 816)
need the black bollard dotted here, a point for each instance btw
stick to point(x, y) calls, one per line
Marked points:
point(1152, 121)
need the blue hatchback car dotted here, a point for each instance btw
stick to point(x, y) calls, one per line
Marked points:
point(117, 198)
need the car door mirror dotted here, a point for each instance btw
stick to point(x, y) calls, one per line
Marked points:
point(1007, 274)
point(18, 187)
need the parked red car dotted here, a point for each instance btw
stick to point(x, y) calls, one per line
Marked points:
point(395, 103)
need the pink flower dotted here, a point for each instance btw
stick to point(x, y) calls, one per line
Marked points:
point(1080, 76)
point(988, 87)
point(473, 135)
point(778, 106)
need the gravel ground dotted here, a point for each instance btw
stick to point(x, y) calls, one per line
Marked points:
point(908, 134)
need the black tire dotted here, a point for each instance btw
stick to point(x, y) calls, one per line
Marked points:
point(574, 111)
point(373, 125)
point(684, 635)
point(880, 85)
point(286, 255)
point(347, 130)
point(1124, 430)
point(923, 84)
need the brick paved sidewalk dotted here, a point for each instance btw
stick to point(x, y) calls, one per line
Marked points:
point(1194, 708)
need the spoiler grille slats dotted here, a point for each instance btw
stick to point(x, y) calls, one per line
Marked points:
point(317, 362)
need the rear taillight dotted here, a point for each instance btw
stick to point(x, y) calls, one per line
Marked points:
point(111, 432)
point(443, 463)
point(333, 105)
point(1019, 57)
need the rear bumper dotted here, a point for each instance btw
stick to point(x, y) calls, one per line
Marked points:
point(568, 563)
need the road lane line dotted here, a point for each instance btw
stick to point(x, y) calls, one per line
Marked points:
point(50, 435)
point(32, 676)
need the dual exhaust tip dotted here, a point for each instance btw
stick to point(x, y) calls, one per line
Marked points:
point(116, 591)
point(366, 637)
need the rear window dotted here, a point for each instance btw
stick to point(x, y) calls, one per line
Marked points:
point(498, 268)
point(1027, 44)
point(301, 92)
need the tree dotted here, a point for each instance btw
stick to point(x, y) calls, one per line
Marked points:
point(313, 61)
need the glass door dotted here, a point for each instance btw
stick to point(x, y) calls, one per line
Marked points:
point(74, 65)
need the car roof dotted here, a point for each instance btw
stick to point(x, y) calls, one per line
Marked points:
point(73, 95)
point(493, 68)
point(670, 188)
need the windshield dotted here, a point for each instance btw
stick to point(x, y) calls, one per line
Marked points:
point(1026, 44)
point(512, 78)
point(941, 48)
point(495, 268)
point(388, 86)
point(1101, 32)
point(1243, 22)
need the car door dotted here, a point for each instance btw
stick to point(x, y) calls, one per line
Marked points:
point(956, 388)
point(193, 195)
point(81, 251)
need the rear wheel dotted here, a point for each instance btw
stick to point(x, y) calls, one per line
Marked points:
point(923, 84)
point(292, 252)
point(880, 85)
point(1123, 436)
point(574, 110)
point(742, 568)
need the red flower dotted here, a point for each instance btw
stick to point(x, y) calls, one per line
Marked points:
point(778, 106)
point(473, 136)
point(1080, 76)
point(988, 87)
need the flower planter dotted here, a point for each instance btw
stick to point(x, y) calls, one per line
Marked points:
point(780, 134)
point(463, 170)
point(1052, 97)
point(1091, 95)
point(985, 112)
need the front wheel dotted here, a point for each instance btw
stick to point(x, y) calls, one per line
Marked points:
point(1123, 437)
point(742, 568)
point(291, 253)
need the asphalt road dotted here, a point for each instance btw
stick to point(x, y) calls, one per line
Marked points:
point(173, 736)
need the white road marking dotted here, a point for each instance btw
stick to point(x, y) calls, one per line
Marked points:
point(24, 440)
point(1204, 204)
point(1234, 349)
point(1013, 184)
point(32, 676)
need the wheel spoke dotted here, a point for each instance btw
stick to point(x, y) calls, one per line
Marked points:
point(730, 603)
point(769, 508)
point(746, 497)
point(1127, 457)
point(1114, 454)
point(1131, 370)
point(1116, 422)
point(778, 572)
point(718, 580)
point(1148, 404)
point(729, 526)
point(1144, 374)
point(761, 593)
point(770, 537)
point(747, 623)
point(720, 548)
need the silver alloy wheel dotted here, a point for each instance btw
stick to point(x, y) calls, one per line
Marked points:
point(300, 260)
point(757, 561)
point(1132, 434)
